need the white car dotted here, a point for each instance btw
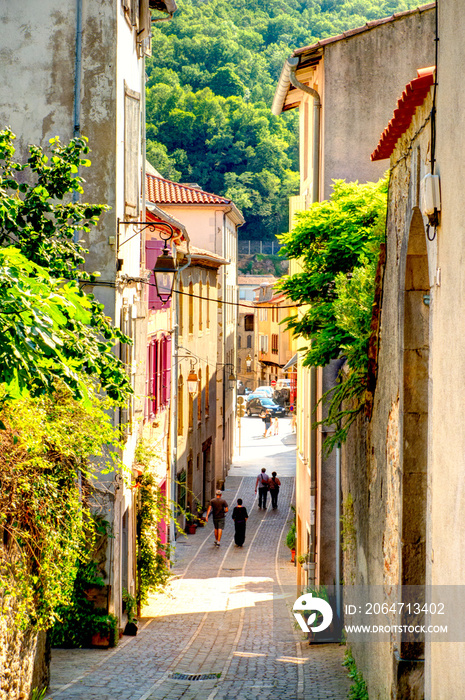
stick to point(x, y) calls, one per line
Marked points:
point(264, 391)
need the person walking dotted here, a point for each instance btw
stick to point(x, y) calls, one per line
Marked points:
point(267, 420)
point(219, 507)
point(274, 489)
point(262, 483)
point(275, 426)
point(239, 515)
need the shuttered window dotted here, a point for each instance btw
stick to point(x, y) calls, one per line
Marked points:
point(131, 151)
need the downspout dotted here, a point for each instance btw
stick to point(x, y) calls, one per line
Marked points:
point(293, 62)
point(143, 148)
point(174, 403)
point(77, 89)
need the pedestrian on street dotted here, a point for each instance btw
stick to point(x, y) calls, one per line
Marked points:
point(239, 515)
point(275, 426)
point(262, 483)
point(274, 489)
point(219, 507)
point(266, 418)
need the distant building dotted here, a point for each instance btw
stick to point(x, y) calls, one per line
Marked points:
point(212, 222)
point(248, 371)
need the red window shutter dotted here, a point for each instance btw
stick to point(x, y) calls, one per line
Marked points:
point(152, 251)
point(166, 369)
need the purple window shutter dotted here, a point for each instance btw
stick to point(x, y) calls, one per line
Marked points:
point(152, 251)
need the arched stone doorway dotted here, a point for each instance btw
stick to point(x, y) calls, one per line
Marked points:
point(415, 356)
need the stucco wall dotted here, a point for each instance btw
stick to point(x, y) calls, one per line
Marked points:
point(447, 453)
point(364, 77)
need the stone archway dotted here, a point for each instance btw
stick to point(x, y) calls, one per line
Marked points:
point(416, 301)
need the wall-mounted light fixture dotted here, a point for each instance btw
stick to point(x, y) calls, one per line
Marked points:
point(165, 269)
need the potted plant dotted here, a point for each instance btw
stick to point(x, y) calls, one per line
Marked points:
point(291, 540)
point(200, 519)
point(191, 523)
point(304, 560)
point(130, 606)
point(104, 630)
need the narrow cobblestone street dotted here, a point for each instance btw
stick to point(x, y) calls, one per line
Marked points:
point(223, 629)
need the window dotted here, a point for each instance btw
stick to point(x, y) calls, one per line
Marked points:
point(274, 343)
point(239, 364)
point(158, 383)
point(180, 405)
point(191, 411)
point(208, 304)
point(248, 322)
point(191, 308)
point(249, 341)
point(207, 391)
point(239, 341)
point(153, 249)
point(131, 151)
point(263, 343)
point(263, 314)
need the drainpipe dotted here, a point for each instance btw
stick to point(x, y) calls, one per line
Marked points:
point(293, 62)
point(338, 530)
point(174, 403)
point(77, 89)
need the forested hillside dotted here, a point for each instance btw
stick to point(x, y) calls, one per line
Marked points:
point(211, 82)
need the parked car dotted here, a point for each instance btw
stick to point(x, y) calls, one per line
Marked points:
point(264, 391)
point(260, 404)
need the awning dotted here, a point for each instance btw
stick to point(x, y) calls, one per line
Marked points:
point(292, 363)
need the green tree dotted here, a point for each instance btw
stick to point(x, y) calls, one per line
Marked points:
point(50, 329)
point(236, 49)
point(337, 243)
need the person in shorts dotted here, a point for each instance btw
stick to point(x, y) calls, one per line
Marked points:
point(219, 507)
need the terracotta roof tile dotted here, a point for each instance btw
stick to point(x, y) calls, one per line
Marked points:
point(413, 96)
point(161, 191)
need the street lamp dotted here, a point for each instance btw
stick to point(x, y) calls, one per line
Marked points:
point(232, 380)
point(165, 271)
point(248, 362)
point(192, 382)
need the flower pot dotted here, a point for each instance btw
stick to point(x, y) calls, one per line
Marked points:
point(293, 555)
point(99, 641)
point(191, 528)
point(305, 566)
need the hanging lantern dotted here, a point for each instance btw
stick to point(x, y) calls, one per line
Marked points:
point(165, 272)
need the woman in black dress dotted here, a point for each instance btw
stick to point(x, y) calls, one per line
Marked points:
point(239, 515)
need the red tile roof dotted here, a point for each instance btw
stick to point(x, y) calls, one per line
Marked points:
point(413, 96)
point(161, 191)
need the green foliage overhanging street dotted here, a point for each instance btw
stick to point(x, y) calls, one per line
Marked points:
point(211, 84)
point(55, 359)
point(337, 243)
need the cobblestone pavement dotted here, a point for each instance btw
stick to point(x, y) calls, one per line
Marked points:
point(225, 616)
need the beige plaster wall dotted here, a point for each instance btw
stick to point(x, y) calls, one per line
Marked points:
point(364, 78)
point(447, 451)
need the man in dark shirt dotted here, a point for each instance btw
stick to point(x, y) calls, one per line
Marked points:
point(219, 507)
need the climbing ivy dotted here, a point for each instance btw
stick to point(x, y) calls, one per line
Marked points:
point(46, 447)
point(337, 243)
